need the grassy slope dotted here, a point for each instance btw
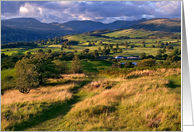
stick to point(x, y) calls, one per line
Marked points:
point(144, 103)
point(7, 72)
point(130, 33)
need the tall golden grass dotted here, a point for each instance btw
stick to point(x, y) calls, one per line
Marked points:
point(41, 94)
point(145, 103)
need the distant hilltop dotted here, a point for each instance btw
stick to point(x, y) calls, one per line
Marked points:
point(160, 24)
point(22, 20)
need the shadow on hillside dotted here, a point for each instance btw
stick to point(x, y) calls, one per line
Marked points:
point(172, 85)
point(53, 111)
point(132, 77)
point(57, 83)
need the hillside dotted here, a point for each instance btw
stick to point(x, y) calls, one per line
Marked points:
point(160, 24)
point(80, 102)
point(38, 30)
point(23, 20)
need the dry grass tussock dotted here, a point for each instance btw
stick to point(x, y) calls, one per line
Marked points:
point(159, 72)
point(73, 75)
point(49, 94)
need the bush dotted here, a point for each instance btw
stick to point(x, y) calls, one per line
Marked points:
point(76, 66)
point(49, 51)
point(147, 63)
point(129, 65)
point(8, 78)
point(61, 66)
point(143, 56)
point(115, 65)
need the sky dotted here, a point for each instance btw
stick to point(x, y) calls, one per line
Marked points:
point(100, 11)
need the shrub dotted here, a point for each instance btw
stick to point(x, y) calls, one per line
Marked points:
point(153, 46)
point(143, 55)
point(129, 65)
point(49, 51)
point(8, 78)
point(76, 66)
point(147, 63)
point(115, 65)
point(61, 66)
point(40, 51)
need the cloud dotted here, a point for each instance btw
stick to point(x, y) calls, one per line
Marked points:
point(169, 8)
point(104, 11)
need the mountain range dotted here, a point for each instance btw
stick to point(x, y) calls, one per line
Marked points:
point(30, 29)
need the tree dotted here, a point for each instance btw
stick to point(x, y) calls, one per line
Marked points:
point(96, 53)
point(132, 46)
point(86, 50)
point(28, 53)
point(26, 76)
point(153, 46)
point(117, 45)
point(76, 66)
point(175, 52)
point(129, 65)
point(75, 51)
point(49, 51)
point(68, 47)
point(126, 45)
point(147, 63)
point(159, 54)
point(114, 50)
point(105, 51)
point(111, 46)
point(150, 56)
point(61, 66)
point(144, 45)
point(169, 47)
point(115, 65)
point(40, 51)
point(90, 44)
point(99, 48)
point(165, 56)
point(166, 43)
point(34, 71)
point(172, 58)
point(143, 55)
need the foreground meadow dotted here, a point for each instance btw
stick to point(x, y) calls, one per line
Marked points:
point(79, 102)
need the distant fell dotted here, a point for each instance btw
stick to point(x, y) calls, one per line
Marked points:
point(160, 24)
point(123, 24)
point(23, 20)
point(15, 29)
point(87, 25)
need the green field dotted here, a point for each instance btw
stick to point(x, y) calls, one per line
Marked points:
point(83, 43)
point(7, 72)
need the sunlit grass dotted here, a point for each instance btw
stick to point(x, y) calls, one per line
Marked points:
point(145, 103)
point(7, 72)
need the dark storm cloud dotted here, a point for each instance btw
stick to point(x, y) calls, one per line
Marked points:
point(104, 11)
point(11, 7)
